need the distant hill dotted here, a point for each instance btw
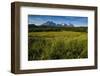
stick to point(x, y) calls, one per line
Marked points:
point(32, 25)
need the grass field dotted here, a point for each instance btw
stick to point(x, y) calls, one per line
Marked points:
point(57, 45)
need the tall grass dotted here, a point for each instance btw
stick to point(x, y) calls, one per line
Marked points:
point(57, 45)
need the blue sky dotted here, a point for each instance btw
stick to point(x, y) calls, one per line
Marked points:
point(40, 19)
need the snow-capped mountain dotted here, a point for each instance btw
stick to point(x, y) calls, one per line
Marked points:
point(53, 24)
point(49, 23)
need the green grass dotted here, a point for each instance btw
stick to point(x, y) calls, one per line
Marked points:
point(57, 45)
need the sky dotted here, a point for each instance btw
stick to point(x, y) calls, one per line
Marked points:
point(75, 20)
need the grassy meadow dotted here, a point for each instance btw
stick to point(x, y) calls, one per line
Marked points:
point(47, 45)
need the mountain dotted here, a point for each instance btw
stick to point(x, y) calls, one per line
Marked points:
point(49, 23)
point(71, 25)
point(52, 24)
point(62, 25)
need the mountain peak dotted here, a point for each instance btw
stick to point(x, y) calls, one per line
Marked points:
point(49, 23)
point(53, 24)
